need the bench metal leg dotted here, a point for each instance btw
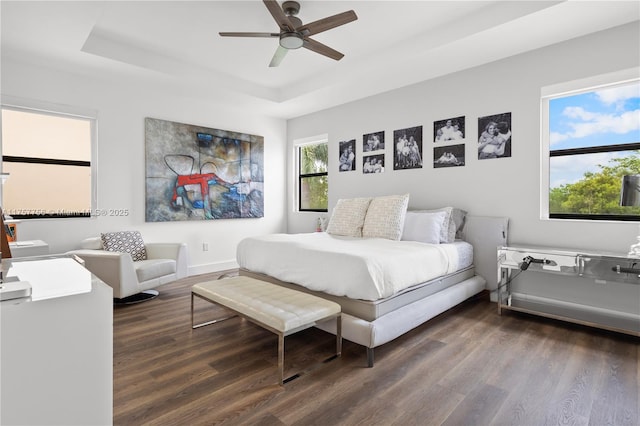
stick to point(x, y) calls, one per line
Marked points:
point(202, 324)
point(339, 335)
point(313, 367)
point(281, 358)
point(281, 336)
point(369, 357)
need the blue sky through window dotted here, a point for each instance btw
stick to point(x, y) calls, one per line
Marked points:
point(608, 116)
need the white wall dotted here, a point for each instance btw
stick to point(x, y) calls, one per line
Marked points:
point(507, 186)
point(495, 187)
point(122, 106)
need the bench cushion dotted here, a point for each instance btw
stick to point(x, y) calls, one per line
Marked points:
point(280, 308)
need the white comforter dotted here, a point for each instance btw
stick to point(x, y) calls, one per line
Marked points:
point(359, 268)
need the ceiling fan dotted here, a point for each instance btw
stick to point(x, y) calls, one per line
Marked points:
point(293, 34)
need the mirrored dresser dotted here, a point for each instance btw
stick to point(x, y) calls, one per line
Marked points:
point(596, 289)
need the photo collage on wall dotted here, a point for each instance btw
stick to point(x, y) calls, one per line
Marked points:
point(448, 131)
point(408, 148)
point(373, 146)
point(449, 137)
point(347, 155)
point(494, 136)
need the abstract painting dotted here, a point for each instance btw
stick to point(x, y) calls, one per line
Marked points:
point(200, 173)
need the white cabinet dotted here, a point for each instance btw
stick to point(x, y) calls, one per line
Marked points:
point(29, 248)
point(56, 346)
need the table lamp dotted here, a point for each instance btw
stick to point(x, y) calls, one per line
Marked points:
point(630, 196)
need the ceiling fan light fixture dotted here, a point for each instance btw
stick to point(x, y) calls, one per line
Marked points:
point(293, 34)
point(291, 40)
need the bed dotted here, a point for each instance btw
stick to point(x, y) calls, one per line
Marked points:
point(387, 283)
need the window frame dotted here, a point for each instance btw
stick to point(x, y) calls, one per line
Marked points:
point(64, 111)
point(297, 146)
point(568, 89)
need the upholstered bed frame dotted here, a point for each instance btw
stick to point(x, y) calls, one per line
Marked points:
point(485, 233)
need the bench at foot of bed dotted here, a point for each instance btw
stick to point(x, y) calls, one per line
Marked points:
point(280, 310)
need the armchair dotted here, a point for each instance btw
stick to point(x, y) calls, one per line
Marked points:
point(134, 281)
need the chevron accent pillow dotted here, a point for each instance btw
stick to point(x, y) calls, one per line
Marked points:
point(347, 217)
point(385, 217)
point(125, 242)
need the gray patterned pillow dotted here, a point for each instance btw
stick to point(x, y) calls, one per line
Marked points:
point(125, 242)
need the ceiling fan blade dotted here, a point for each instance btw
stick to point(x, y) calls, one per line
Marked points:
point(227, 34)
point(278, 14)
point(322, 49)
point(327, 23)
point(278, 56)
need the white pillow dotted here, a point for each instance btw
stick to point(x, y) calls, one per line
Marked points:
point(448, 232)
point(348, 216)
point(385, 217)
point(425, 227)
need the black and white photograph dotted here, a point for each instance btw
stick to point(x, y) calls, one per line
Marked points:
point(448, 156)
point(408, 148)
point(373, 142)
point(450, 129)
point(347, 155)
point(373, 163)
point(494, 136)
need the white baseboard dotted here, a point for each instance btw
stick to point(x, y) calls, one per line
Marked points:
point(208, 268)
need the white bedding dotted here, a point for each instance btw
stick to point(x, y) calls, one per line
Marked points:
point(359, 268)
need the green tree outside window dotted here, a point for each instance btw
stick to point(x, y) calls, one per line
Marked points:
point(314, 182)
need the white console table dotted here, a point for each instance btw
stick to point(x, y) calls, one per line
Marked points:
point(57, 345)
point(596, 289)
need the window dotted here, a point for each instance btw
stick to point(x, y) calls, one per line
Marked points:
point(591, 140)
point(313, 183)
point(48, 158)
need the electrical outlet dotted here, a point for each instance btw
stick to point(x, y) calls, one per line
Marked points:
point(205, 246)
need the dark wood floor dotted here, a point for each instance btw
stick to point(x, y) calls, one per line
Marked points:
point(468, 366)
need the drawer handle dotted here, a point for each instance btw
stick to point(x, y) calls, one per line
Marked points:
point(622, 270)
